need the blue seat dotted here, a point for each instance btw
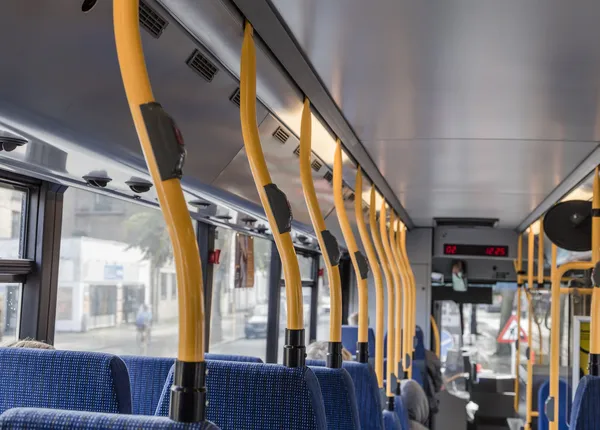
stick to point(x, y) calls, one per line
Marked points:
point(73, 380)
point(564, 405)
point(392, 422)
point(350, 338)
point(337, 389)
point(401, 413)
point(147, 376)
point(32, 418)
point(585, 414)
point(244, 395)
point(366, 390)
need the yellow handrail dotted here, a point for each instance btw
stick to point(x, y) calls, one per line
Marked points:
point(436, 336)
point(372, 259)
point(274, 202)
point(407, 332)
point(378, 235)
point(327, 242)
point(162, 147)
point(358, 260)
point(400, 299)
point(529, 386)
point(412, 290)
point(541, 253)
point(594, 358)
point(519, 269)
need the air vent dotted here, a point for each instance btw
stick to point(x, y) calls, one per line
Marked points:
point(328, 176)
point(466, 222)
point(10, 143)
point(316, 165)
point(297, 151)
point(151, 20)
point(235, 97)
point(202, 65)
point(199, 203)
point(281, 135)
point(224, 217)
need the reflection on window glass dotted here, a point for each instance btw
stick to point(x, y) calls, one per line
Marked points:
point(306, 267)
point(306, 293)
point(10, 306)
point(116, 268)
point(12, 214)
point(324, 312)
point(239, 309)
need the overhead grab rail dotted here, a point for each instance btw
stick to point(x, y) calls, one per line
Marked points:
point(327, 241)
point(385, 240)
point(411, 307)
point(402, 364)
point(359, 262)
point(163, 148)
point(372, 260)
point(379, 238)
point(276, 205)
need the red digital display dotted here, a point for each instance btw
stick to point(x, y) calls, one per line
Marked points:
point(476, 250)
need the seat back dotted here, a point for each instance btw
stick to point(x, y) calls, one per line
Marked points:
point(564, 405)
point(32, 418)
point(73, 380)
point(243, 394)
point(147, 376)
point(401, 412)
point(585, 414)
point(391, 421)
point(366, 391)
point(339, 399)
point(350, 338)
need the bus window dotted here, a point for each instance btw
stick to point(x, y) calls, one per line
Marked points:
point(239, 311)
point(12, 204)
point(116, 281)
point(10, 305)
point(324, 309)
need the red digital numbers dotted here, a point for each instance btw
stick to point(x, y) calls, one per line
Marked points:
point(450, 250)
point(476, 250)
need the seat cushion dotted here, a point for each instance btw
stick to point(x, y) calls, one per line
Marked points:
point(229, 357)
point(337, 388)
point(585, 414)
point(38, 419)
point(254, 395)
point(73, 380)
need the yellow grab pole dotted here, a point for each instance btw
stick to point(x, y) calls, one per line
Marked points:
point(519, 268)
point(372, 259)
point(436, 336)
point(359, 262)
point(408, 335)
point(594, 357)
point(380, 239)
point(530, 277)
point(327, 241)
point(412, 308)
point(275, 203)
point(163, 149)
point(540, 278)
point(400, 298)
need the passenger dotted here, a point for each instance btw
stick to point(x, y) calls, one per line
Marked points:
point(143, 320)
point(28, 343)
point(416, 404)
point(318, 351)
point(353, 319)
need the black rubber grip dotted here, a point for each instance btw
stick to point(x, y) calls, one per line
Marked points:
point(391, 403)
point(294, 351)
point(165, 139)
point(595, 213)
point(280, 206)
point(363, 266)
point(332, 247)
point(362, 352)
point(549, 408)
point(334, 355)
point(188, 393)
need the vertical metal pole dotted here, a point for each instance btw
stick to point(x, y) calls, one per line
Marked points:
point(552, 401)
point(273, 306)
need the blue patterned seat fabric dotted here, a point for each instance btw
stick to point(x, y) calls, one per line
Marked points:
point(585, 414)
point(391, 421)
point(253, 395)
point(38, 419)
point(564, 405)
point(148, 375)
point(366, 391)
point(350, 338)
point(73, 380)
point(340, 401)
point(401, 413)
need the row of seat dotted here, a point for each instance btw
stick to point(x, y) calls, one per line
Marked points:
point(241, 392)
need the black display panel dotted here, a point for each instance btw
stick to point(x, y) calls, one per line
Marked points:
point(476, 250)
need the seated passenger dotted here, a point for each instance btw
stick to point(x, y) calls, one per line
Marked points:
point(416, 404)
point(318, 351)
point(27, 343)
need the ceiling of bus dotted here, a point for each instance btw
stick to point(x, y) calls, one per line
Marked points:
point(467, 108)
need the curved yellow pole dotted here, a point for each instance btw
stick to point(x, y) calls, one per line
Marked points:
point(412, 291)
point(400, 299)
point(540, 281)
point(436, 336)
point(166, 173)
point(274, 202)
point(519, 269)
point(389, 282)
point(594, 358)
point(407, 331)
point(372, 259)
point(359, 262)
point(327, 242)
point(530, 277)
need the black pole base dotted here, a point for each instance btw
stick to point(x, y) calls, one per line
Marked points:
point(294, 351)
point(334, 355)
point(362, 352)
point(594, 365)
point(390, 404)
point(188, 393)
